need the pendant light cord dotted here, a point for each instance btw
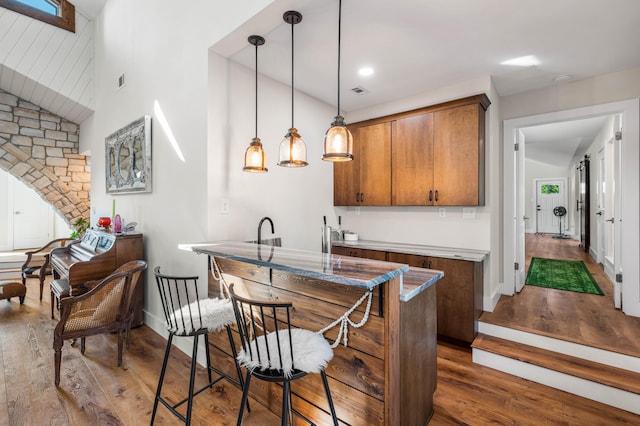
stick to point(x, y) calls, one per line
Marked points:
point(339, 39)
point(256, 90)
point(292, 53)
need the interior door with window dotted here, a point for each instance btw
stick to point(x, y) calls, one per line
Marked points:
point(550, 196)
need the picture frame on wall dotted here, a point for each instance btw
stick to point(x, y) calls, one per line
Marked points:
point(128, 158)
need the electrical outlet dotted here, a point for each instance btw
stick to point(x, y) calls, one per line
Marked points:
point(224, 206)
point(468, 213)
point(357, 211)
point(442, 212)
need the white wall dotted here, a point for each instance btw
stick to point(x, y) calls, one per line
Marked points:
point(294, 198)
point(162, 47)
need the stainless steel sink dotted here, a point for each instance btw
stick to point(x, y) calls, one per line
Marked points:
point(277, 242)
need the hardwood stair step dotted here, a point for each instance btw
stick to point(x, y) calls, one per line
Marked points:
point(588, 370)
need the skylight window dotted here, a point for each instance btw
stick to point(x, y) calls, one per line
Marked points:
point(60, 13)
point(46, 6)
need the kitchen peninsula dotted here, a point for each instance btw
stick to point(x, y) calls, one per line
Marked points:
point(384, 367)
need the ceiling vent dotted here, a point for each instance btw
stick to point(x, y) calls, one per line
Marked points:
point(359, 90)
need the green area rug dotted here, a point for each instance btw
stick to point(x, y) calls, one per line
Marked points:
point(571, 275)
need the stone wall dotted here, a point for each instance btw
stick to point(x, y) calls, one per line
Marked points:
point(41, 149)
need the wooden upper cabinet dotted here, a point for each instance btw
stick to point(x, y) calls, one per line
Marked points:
point(375, 165)
point(365, 181)
point(346, 177)
point(458, 156)
point(432, 156)
point(412, 161)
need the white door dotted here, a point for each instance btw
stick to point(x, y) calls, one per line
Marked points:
point(32, 218)
point(520, 273)
point(549, 195)
point(601, 206)
point(614, 221)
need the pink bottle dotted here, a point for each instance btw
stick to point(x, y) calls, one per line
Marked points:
point(117, 224)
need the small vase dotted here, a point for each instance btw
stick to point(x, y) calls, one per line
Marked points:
point(117, 224)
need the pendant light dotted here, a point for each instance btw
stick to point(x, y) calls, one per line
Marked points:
point(338, 142)
point(254, 155)
point(293, 151)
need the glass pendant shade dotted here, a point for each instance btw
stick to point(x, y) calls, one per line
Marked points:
point(293, 151)
point(338, 142)
point(254, 158)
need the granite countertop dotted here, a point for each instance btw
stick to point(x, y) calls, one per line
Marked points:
point(417, 249)
point(357, 272)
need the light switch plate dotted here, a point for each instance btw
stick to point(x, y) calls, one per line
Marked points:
point(442, 212)
point(224, 206)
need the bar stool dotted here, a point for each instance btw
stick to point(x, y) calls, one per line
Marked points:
point(275, 352)
point(186, 315)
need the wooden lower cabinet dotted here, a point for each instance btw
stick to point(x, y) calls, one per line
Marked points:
point(459, 293)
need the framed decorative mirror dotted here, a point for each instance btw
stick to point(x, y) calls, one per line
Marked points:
point(128, 158)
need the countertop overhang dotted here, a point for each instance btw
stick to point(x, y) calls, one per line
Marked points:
point(351, 271)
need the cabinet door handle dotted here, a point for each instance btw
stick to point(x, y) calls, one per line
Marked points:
point(430, 195)
point(436, 195)
point(357, 197)
point(362, 197)
point(429, 265)
point(424, 263)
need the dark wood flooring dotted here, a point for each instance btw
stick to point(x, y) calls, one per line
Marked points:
point(94, 391)
point(576, 317)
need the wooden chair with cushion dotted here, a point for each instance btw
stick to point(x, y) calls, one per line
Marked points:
point(38, 264)
point(274, 351)
point(105, 308)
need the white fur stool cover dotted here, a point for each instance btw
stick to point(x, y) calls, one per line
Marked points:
point(312, 352)
point(215, 313)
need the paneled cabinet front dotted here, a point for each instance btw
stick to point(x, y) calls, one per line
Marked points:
point(458, 293)
point(412, 161)
point(433, 156)
point(365, 181)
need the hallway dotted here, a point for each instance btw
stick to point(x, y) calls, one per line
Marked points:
point(580, 318)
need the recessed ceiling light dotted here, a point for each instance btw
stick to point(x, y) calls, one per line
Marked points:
point(365, 71)
point(522, 61)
